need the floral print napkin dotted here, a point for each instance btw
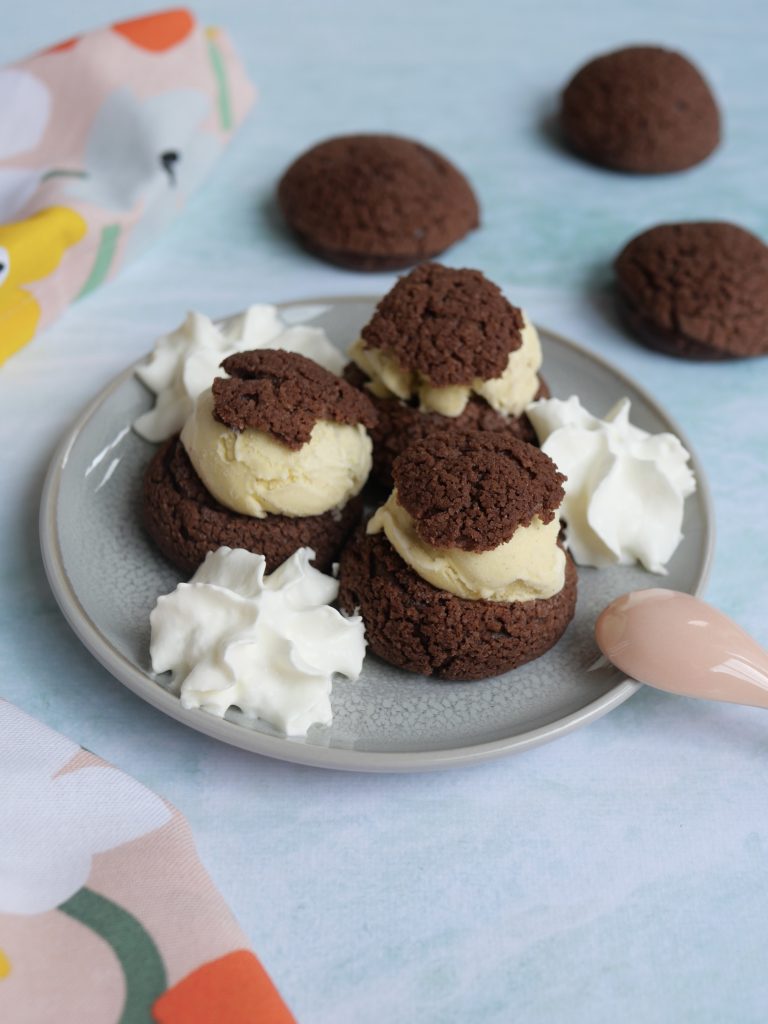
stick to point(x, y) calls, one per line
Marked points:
point(102, 139)
point(106, 914)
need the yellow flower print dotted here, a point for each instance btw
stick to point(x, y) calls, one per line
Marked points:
point(30, 249)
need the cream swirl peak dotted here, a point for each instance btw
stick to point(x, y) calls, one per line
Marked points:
point(625, 487)
point(269, 645)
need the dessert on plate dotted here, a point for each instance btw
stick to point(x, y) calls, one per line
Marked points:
point(272, 458)
point(445, 350)
point(461, 574)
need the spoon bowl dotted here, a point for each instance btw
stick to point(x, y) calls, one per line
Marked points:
point(681, 644)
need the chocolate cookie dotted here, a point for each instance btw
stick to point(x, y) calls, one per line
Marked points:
point(696, 290)
point(473, 490)
point(450, 326)
point(413, 625)
point(640, 109)
point(285, 394)
point(401, 424)
point(186, 522)
point(376, 202)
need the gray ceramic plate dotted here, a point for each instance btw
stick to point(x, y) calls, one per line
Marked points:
point(106, 577)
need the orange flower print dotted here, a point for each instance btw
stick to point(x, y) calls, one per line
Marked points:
point(157, 32)
point(235, 988)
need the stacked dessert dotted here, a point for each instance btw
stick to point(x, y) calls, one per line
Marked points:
point(460, 574)
point(445, 349)
point(272, 458)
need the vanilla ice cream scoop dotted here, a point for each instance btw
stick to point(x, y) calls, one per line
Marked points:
point(443, 335)
point(509, 393)
point(280, 436)
point(529, 565)
point(475, 514)
point(251, 472)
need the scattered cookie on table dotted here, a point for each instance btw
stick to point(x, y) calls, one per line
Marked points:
point(460, 574)
point(376, 202)
point(641, 109)
point(698, 290)
point(445, 350)
point(271, 459)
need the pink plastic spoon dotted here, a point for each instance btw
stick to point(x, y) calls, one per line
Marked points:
point(679, 643)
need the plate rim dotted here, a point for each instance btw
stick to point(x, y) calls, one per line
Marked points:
point(295, 750)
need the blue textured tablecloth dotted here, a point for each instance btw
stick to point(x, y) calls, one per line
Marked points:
point(620, 873)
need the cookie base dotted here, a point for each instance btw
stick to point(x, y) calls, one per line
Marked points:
point(416, 627)
point(186, 522)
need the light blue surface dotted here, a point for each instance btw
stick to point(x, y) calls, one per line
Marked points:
point(618, 874)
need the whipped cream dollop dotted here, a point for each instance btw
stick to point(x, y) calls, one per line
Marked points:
point(626, 488)
point(269, 645)
point(184, 363)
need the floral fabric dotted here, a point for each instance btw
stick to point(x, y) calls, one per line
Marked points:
point(106, 913)
point(102, 140)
